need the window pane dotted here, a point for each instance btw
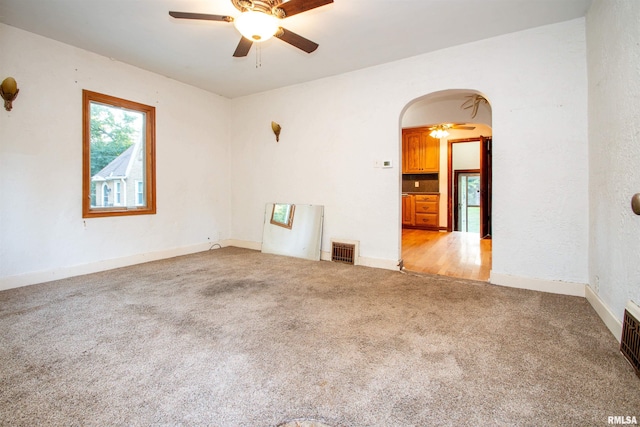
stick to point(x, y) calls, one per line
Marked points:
point(473, 190)
point(139, 193)
point(117, 145)
point(118, 149)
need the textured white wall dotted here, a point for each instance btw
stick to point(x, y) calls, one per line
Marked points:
point(41, 225)
point(335, 128)
point(613, 39)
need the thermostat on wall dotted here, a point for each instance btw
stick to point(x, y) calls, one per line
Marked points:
point(387, 164)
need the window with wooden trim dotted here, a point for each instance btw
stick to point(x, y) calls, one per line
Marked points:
point(282, 214)
point(118, 153)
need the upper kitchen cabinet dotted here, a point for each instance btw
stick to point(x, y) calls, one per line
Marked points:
point(420, 151)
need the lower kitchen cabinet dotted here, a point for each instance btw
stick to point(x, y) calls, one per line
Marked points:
point(408, 209)
point(421, 211)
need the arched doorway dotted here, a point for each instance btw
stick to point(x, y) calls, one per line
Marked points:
point(446, 184)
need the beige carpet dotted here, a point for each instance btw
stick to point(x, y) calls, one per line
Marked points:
point(233, 337)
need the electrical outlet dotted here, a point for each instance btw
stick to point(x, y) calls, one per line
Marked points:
point(417, 184)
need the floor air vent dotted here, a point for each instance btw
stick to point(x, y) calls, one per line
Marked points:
point(630, 342)
point(344, 251)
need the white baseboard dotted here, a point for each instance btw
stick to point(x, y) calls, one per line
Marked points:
point(246, 244)
point(386, 264)
point(551, 286)
point(94, 267)
point(610, 320)
point(565, 288)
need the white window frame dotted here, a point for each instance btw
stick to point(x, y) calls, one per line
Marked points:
point(105, 194)
point(139, 192)
point(117, 193)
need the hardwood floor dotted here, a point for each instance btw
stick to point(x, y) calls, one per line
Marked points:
point(453, 254)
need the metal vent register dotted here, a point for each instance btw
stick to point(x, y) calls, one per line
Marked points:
point(630, 342)
point(344, 252)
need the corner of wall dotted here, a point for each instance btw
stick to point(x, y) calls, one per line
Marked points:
point(610, 320)
point(246, 244)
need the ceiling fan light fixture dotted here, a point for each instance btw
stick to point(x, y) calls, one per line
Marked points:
point(439, 133)
point(256, 26)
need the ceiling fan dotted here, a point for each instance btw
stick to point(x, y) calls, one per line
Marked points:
point(260, 20)
point(441, 130)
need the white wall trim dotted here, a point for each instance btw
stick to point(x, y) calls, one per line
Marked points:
point(385, 264)
point(246, 244)
point(610, 320)
point(565, 288)
point(542, 285)
point(94, 267)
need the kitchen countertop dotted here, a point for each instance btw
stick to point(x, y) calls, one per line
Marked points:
point(405, 193)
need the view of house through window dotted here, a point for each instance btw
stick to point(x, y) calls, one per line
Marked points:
point(118, 156)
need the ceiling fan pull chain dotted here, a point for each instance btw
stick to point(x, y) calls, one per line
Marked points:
point(258, 56)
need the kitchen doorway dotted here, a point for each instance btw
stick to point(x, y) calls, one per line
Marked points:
point(459, 244)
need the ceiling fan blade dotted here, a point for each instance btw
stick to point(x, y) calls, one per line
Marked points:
point(298, 41)
point(202, 16)
point(294, 7)
point(243, 47)
point(464, 127)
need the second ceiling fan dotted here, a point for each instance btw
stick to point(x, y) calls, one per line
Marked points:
point(260, 20)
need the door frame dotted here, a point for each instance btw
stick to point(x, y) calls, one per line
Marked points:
point(486, 186)
point(485, 183)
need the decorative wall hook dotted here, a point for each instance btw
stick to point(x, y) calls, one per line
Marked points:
point(9, 91)
point(276, 129)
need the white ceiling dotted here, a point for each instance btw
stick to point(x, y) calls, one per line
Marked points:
point(352, 34)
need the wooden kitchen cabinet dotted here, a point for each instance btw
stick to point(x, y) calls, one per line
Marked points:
point(421, 211)
point(420, 151)
point(408, 209)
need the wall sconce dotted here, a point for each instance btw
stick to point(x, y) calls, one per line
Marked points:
point(9, 91)
point(276, 129)
point(635, 203)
